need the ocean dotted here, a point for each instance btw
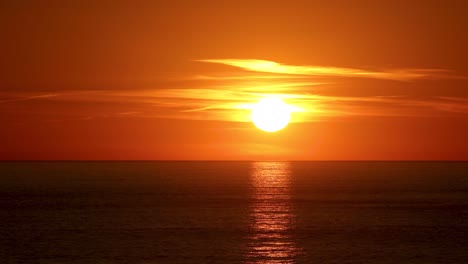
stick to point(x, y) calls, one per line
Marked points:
point(233, 212)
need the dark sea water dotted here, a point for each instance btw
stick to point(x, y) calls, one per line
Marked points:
point(234, 212)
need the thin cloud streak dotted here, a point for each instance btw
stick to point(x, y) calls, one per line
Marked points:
point(266, 66)
point(18, 97)
point(242, 77)
point(29, 98)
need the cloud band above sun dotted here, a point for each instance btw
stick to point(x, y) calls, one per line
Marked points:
point(278, 68)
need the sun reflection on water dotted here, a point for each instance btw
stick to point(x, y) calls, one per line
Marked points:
point(271, 232)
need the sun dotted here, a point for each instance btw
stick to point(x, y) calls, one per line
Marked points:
point(271, 114)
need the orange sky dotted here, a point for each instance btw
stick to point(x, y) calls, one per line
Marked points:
point(371, 80)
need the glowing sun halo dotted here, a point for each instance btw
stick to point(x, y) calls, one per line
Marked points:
point(270, 114)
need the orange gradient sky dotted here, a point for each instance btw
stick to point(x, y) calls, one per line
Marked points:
point(125, 80)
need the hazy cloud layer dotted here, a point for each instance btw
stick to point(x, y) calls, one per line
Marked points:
point(230, 97)
point(230, 105)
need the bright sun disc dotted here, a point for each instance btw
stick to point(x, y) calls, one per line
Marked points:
point(270, 114)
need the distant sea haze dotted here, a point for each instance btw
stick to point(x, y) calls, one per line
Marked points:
point(234, 212)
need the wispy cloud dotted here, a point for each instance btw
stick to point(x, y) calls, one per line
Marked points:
point(242, 77)
point(18, 97)
point(26, 98)
point(266, 66)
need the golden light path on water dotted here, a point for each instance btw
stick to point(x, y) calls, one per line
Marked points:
point(272, 218)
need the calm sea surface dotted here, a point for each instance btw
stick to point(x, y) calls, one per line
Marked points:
point(234, 212)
